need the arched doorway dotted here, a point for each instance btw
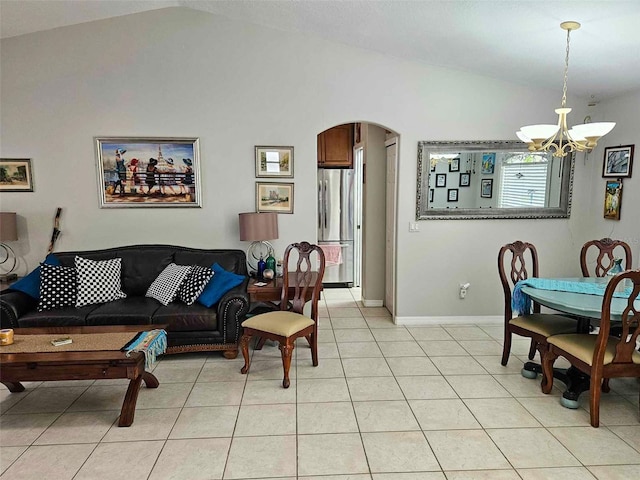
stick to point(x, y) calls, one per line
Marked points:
point(357, 203)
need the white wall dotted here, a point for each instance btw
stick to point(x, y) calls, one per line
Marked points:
point(624, 111)
point(179, 72)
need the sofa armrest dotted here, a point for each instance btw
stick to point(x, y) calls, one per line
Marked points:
point(13, 305)
point(232, 309)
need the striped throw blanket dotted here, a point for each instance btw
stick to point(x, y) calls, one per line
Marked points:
point(152, 343)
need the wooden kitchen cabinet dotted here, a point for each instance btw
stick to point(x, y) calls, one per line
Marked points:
point(335, 147)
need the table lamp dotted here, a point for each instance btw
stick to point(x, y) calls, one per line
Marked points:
point(258, 228)
point(8, 233)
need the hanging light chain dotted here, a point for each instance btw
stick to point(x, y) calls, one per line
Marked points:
point(566, 71)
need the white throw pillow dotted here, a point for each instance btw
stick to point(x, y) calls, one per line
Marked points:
point(165, 287)
point(98, 281)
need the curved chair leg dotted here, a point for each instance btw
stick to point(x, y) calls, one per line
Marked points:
point(506, 347)
point(244, 345)
point(532, 349)
point(286, 349)
point(605, 386)
point(314, 348)
point(594, 400)
point(548, 360)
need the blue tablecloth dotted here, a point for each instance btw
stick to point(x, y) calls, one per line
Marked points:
point(521, 303)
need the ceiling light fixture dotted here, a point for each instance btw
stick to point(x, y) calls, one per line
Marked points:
point(558, 139)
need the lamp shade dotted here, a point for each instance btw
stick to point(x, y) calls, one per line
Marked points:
point(598, 129)
point(258, 226)
point(8, 227)
point(539, 132)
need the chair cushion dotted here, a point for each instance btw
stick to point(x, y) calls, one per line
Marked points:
point(280, 323)
point(546, 324)
point(582, 346)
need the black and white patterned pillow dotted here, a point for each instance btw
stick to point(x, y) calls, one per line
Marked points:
point(58, 287)
point(165, 287)
point(98, 281)
point(194, 284)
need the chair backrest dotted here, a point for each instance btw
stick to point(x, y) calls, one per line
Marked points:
point(306, 277)
point(630, 321)
point(605, 248)
point(521, 258)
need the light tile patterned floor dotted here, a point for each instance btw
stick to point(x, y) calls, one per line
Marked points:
point(386, 403)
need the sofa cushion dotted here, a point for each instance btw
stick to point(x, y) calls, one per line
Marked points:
point(220, 284)
point(165, 287)
point(140, 267)
point(126, 311)
point(61, 317)
point(31, 283)
point(180, 317)
point(58, 287)
point(194, 284)
point(98, 282)
point(230, 260)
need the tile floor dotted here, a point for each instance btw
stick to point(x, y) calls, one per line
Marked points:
point(386, 403)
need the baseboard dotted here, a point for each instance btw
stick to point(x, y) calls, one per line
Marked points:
point(372, 303)
point(450, 320)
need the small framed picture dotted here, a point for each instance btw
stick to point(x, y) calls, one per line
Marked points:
point(488, 163)
point(486, 188)
point(274, 197)
point(613, 199)
point(15, 175)
point(465, 179)
point(452, 195)
point(618, 161)
point(431, 195)
point(274, 162)
point(441, 180)
point(454, 165)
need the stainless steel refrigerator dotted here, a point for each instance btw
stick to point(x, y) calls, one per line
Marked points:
point(336, 224)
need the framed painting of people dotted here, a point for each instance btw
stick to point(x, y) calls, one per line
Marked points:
point(613, 199)
point(148, 172)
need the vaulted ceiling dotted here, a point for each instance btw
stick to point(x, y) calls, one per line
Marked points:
point(518, 40)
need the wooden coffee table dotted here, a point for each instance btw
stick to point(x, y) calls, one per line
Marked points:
point(80, 365)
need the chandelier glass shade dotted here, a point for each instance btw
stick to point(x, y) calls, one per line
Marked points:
point(559, 139)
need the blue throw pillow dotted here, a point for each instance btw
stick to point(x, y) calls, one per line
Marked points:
point(221, 283)
point(31, 283)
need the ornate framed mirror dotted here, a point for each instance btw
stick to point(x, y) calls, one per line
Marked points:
point(465, 180)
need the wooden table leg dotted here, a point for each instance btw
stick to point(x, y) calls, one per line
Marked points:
point(129, 405)
point(14, 387)
point(260, 343)
point(150, 380)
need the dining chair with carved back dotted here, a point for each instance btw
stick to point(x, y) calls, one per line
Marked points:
point(602, 356)
point(519, 261)
point(607, 251)
point(290, 322)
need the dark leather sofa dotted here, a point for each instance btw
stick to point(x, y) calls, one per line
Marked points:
point(189, 328)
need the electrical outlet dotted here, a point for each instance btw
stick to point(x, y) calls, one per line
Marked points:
point(463, 293)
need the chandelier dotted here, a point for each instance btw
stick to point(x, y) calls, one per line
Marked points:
point(559, 139)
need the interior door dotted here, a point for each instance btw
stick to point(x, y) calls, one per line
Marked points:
point(390, 224)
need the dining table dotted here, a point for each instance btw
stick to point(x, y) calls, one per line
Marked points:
point(586, 307)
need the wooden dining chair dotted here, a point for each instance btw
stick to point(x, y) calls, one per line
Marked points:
point(607, 250)
point(601, 356)
point(517, 257)
point(290, 323)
